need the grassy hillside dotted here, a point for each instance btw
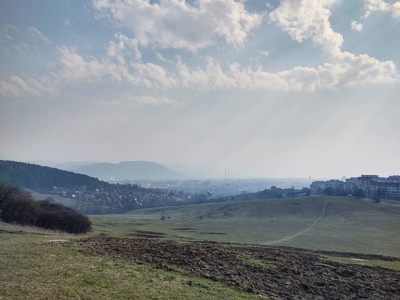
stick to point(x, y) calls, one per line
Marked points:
point(83, 193)
point(37, 177)
point(324, 223)
point(36, 264)
point(40, 264)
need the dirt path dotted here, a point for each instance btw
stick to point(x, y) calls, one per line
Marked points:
point(301, 232)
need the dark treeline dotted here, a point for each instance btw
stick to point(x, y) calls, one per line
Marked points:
point(38, 178)
point(87, 194)
point(273, 192)
point(17, 206)
point(359, 193)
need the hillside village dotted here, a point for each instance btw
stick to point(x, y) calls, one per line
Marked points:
point(370, 185)
point(116, 198)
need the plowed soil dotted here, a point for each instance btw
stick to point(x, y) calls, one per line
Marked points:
point(278, 272)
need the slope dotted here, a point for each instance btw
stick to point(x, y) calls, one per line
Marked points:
point(37, 177)
point(324, 223)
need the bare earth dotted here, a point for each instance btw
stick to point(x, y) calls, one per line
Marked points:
point(278, 272)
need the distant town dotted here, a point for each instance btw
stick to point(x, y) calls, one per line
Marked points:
point(223, 187)
point(371, 186)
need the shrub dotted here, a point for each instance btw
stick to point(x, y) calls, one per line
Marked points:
point(19, 207)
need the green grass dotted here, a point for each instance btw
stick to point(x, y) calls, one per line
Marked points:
point(394, 265)
point(31, 268)
point(349, 225)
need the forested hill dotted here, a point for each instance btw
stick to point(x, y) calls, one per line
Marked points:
point(85, 194)
point(37, 177)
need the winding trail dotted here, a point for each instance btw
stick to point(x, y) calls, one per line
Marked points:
point(304, 231)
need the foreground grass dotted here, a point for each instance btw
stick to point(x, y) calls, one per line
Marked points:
point(348, 225)
point(32, 268)
point(38, 264)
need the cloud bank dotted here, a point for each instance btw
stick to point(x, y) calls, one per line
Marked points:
point(372, 6)
point(176, 24)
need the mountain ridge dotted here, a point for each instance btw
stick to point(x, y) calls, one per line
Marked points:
point(128, 170)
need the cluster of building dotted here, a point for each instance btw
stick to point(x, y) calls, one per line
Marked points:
point(224, 187)
point(116, 198)
point(371, 185)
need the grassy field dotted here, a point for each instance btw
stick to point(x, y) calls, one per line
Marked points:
point(32, 268)
point(38, 264)
point(347, 224)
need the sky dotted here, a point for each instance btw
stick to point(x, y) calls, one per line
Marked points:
point(265, 88)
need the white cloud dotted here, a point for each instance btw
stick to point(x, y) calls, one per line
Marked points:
point(121, 48)
point(129, 100)
point(37, 34)
point(18, 87)
point(74, 68)
point(160, 57)
point(128, 66)
point(356, 26)
point(152, 75)
point(177, 24)
point(8, 31)
point(344, 70)
point(212, 77)
point(308, 19)
point(123, 62)
point(149, 100)
point(372, 6)
point(396, 10)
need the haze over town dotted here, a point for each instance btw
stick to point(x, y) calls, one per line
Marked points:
point(263, 88)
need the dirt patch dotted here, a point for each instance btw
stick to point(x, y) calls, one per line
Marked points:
point(185, 229)
point(359, 256)
point(274, 271)
point(147, 234)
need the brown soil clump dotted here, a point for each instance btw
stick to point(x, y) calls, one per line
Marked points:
point(278, 272)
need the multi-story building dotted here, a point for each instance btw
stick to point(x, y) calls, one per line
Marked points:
point(317, 187)
point(334, 184)
point(372, 185)
point(352, 184)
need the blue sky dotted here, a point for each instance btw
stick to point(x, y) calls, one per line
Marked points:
point(268, 88)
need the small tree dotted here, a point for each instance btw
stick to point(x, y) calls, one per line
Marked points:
point(376, 199)
point(329, 191)
point(359, 193)
point(378, 195)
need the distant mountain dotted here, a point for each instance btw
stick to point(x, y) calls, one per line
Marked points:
point(128, 170)
point(68, 166)
point(193, 172)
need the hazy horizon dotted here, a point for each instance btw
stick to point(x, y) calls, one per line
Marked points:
point(277, 89)
point(194, 172)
